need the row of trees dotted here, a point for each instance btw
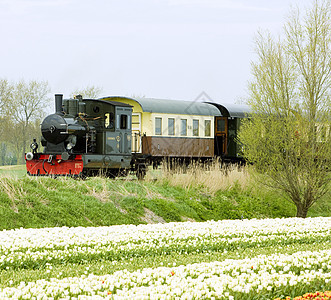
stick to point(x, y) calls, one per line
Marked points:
point(23, 105)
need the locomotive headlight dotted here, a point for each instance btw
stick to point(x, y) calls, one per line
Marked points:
point(29, 156)
point(70, 146)
point(34, 146)
point(71, 142)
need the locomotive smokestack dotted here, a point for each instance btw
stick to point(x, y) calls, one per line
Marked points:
point(58, 103)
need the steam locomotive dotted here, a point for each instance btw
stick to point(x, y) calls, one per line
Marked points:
point(116, 135)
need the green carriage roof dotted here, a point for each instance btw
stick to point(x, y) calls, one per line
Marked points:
point(233, 110)
point(172, 106)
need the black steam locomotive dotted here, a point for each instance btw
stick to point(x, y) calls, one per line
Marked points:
point(83, 137)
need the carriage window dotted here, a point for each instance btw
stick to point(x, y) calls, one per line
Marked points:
point(183, 127)
point(207, 127)
point(195, 127)
point(171, 126)
point(158, 126)
point(109, 120)
point(136, 121)
point(220, 125)
point(124, 122)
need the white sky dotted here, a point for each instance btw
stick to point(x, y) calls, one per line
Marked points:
point(172, 49)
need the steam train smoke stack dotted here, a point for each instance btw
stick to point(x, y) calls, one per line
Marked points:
point(58, 103)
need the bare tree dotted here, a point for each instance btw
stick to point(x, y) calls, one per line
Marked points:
point(5, 97)
point(288, 138)
point(91, 92)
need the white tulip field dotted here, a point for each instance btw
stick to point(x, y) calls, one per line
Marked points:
point(259, 275)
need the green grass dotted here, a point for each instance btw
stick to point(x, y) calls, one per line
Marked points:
point(44, 202)
point(34, 202)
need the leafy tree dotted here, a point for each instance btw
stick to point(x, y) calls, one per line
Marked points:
point(288, 137)
point(91, 92)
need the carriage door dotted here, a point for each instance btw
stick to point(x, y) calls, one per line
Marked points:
point(136, 132)
point(221, 136)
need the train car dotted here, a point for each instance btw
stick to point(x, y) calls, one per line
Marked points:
point(171, 129)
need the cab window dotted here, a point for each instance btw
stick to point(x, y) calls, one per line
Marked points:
point(124, 122)
point(109, 120)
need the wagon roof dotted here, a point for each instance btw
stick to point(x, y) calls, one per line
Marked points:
point(233, 110)
point(166, 106)
point(115, 103)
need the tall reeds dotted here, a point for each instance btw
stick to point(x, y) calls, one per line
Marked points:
point(213, 175)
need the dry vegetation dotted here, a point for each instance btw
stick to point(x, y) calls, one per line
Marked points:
point(12, 167)
point(214, 176)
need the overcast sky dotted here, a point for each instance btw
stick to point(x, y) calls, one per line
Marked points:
point(172, 49)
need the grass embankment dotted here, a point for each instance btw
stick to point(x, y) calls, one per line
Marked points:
point(164, 196)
